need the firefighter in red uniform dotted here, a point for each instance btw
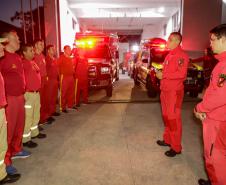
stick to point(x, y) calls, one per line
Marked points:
point(32, 98)
point(172, 92)
point(212, 112)
point(53, 83)
point(67, 87)
point(40, 61)
point(13, 74)
point(81, 78)
point(4, 178)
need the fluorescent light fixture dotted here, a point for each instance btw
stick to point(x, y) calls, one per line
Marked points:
point(94, 5)
point(102, 13)
point(161, 9)
point(135, 48)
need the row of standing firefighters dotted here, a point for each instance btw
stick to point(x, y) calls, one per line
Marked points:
point(29, 94)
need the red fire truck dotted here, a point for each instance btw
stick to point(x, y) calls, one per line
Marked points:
point(101, 51)
point(151, 57)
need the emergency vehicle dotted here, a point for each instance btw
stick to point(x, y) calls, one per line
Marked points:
point(150, 59)
point(101, 52)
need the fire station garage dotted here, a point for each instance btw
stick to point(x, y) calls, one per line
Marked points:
point(118, 132)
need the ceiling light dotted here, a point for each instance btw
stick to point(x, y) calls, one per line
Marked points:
point(161, 9)
point(94, 5)
point(135, 48)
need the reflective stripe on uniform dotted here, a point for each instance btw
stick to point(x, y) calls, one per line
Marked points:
point(1, 162)
point(61, 82)
point(27, 106)
point(26, 135)
point(35, 127)
point(76, 89)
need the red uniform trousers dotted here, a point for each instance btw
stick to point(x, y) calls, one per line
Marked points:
point(53, 86)
point(15, 116)
point(44, 99)
point(81, 86)
point(67, 91)
point(171, 102)
point(214, 136)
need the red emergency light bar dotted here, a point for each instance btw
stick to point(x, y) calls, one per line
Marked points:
point(89, 42)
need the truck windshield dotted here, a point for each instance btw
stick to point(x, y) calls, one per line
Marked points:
point(98, 52)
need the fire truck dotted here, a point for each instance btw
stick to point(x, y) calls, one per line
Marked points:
point(101, 52)
point(150, 59)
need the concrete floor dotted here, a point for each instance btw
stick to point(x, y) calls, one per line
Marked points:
point(114, 144)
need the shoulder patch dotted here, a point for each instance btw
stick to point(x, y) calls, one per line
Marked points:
point(14, 66)
point(221, 80)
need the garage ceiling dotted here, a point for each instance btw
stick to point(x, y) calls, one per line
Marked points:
point(126, 17)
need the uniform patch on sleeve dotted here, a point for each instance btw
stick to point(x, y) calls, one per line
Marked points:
point(221, 80)
point(181, 62)
point(14, 66)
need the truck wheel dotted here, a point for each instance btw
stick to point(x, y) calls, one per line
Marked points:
point(194, 94)
point(109, 91)
point(151, 92)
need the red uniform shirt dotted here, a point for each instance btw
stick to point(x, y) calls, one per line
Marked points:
point(81, 69)
point(32, 75)
point(51, 68)
point(2, 92)
point(174, 70)
point(13, 74)
point(40, 61)
point(66, 65)
point(214, 100)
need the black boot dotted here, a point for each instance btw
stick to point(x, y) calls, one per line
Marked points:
point(10, 179)
point(204, 182)
point(162, 143)
point(171, 153)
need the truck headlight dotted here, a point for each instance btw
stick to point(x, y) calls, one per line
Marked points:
point(105, 70)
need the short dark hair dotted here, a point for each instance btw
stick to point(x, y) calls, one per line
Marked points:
point(178, 35)
point(37, 40)
point(49, 46)
point(25, 47)
point(66, 46)
point(6, 34)
point(219, 31)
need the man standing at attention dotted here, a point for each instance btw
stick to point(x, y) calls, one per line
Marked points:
point(212, 112)
point(4, 177)
point(172, 92)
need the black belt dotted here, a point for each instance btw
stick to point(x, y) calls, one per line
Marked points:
point(33, 91)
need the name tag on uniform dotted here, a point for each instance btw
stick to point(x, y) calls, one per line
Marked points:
point(221, 80)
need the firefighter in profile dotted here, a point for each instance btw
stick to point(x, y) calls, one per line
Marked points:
point(172, 92)
point(212, 112)
point(66, 75)
point(81, 77)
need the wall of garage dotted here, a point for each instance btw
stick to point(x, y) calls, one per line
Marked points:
point(224, 13)
point(60, 24)
point(150, 31)
point(198, 18)
point(123, 47)
point(69, 24)
point(52, 23)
